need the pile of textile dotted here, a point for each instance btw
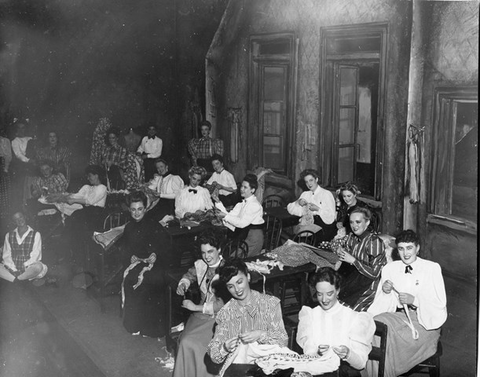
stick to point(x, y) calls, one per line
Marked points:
point(201, 216)
point(294, 254)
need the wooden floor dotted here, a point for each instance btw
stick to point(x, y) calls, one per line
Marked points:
point(60, 331)
point(33, 343)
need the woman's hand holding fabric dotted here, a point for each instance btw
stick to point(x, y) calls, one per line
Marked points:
point(252, 336)
point(231, 344)
point(341, 351)
point(387, 286)
point(406, 298)
point(181, 289)
point(344, 256)
point(189, 305)
point(302, 202)
point(313, 207)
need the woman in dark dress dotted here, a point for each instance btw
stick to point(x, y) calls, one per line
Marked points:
point(147, 254)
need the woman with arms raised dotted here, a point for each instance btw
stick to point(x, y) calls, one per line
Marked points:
point(246, 218)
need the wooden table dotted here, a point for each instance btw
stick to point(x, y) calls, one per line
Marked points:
point(183, 241)
point(272, 282)
point(281, 213)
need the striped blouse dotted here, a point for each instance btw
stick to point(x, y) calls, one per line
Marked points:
point(262, 312)
point(369, 253)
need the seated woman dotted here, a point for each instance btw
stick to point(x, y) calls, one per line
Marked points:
point(166, 186)
point(48, 183)
point(85, 210)
point(89, 202)
point(246, 218)
point(222, 182)
point(347, 198)
point(363, 257)
point(114, 159)
point(334, 327)
point(199, 328)
point(249, 324)
point(22, 253)
point(146, 255)
point(194, 197)
point(411, 301)
point(316, 207)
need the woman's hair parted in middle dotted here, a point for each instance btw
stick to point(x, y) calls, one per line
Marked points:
point(327, 274)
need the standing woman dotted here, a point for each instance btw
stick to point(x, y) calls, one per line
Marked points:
point(59, 154)
point(5, 184)
point(146, 255)
point(114, 159)
point(317, 203)
point(246, 218)
point(21, 164)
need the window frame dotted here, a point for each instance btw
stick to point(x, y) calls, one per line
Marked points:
point(256, 64)
point(328, 135)
point(442, 172)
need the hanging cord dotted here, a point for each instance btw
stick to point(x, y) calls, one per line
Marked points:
point(409, 323)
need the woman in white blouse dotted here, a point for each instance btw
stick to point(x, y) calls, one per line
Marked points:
point(246, 218)
point(333, 328)
point(194, 197)
point(412, 302)
point(93, 198)
point(166, 186)
point(316, 206)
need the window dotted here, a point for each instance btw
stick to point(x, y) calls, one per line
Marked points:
point(352, 86)
point(271, 103)
point(455, 154)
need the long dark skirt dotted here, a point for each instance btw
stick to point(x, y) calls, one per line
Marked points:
point(163, 207)
point(192, 348)
point(354, 287)
point(144, 307)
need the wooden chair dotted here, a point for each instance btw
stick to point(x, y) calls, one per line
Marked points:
point(273, 201)
point(305, 236)
point(109, 264)
point(273, 231)
point(430, 365)
point(115, 219)
point(235, 249)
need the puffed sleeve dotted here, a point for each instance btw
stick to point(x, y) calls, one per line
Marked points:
point(432, 301)
point(361, 335)
point(305, 325)
point(215, 348)
point(206, 198)
point(294, 208)
point(276, 333)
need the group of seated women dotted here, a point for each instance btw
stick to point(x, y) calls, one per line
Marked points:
point(248, 327)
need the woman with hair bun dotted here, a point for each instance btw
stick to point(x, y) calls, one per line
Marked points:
point(246, 218)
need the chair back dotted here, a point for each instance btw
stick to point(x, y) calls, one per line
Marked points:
point(235, 248)
point(115, 219)
point(273, 231)
point(306, 236)
point(273, 201)
point(379, 353)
